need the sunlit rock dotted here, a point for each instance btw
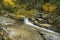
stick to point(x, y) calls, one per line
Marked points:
point(6, 21)
point(23, 32)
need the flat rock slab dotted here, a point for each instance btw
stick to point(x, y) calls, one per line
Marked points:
point(23, 32)
point(6, 21)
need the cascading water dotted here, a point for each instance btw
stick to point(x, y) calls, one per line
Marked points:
point(26, 21)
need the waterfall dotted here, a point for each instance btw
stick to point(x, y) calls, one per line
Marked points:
point(26, 21)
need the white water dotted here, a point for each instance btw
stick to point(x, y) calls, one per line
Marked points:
point(26, 21)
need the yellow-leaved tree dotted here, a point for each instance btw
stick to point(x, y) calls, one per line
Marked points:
point(9, 2)
point(49, 7)
point(23, 13)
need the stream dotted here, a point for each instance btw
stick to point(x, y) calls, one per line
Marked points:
point(48, 34)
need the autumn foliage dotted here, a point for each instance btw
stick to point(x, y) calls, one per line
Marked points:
point(9, 2)
point(26, 13)
point(49, 7)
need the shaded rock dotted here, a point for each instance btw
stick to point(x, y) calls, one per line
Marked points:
point(3, 34)
point(0, 37)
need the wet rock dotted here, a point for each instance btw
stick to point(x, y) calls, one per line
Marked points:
point(49, 36)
